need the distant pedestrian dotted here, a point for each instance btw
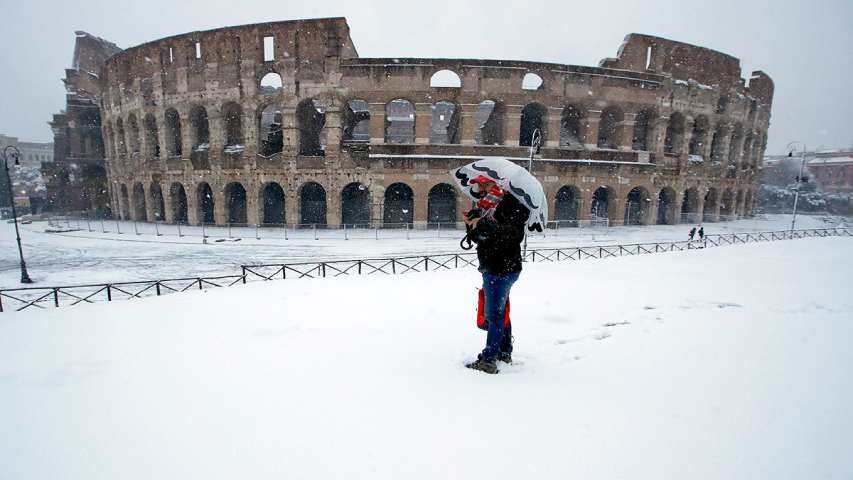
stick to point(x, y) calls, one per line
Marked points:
point(701, 233)
point(692, 233)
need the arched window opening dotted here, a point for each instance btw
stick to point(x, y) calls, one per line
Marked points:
point(690, 205)
point(204, 196)
point(179, 203)
point(173, 133)
point(445, 123)
point(235, 203)
point(139, 203)
point(674, 137)
point(355, 205)
point(571, 127)
point(637, 206)
point(272, 200)
point(134, 135)
point(441, 205)
point(270, 132)
point(445, 79)
point(199, 129)
point(270, 84)
point(312, 204)
point(531, 81)
point(727, 205)
point(232, 117)
point(157, 204)
point(566, 206)
point(642, 131)
point(399, 205)
point(122, 146)
point(533, 117)
point(697, 138)
point(722, 104)
point(89, 126)
point(737, 135)
point(310, 119)
point(666, 206)
point(356, 121)
point(152, 142)
point(717, 153)
point(608, 128)
point(710, 206)
point(600, 204)
point(399, 122)
point(746, 159)
point(489, 116)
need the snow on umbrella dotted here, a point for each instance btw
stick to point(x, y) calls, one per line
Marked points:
point(512, 178)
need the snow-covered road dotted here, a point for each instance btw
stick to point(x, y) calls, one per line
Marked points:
point(84, 257)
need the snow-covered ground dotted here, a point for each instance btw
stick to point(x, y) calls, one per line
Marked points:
point(84, 257)
point(721, 363)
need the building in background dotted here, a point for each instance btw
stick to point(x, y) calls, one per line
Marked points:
point(76, 180)
point(30, 192)
point(827, 185)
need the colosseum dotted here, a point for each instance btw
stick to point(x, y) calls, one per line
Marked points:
point(283, 123)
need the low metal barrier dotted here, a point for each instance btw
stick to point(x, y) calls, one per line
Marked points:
point(45, 297)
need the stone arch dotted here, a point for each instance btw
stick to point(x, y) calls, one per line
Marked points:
point(355, 205)
point(179, 203)
point(444, 126)
point(310, 120)
point(666, 207)
point(139, 202)
point(532, 81)
point(609, 128)
point(709, 212)
point(270, 84)
point(534, 116)
point(312, 204)
point(356, 121)
point(155, 192)
point(445, 79)
point(690, 205)
point(572, 126)
point(602, 203)
point(566, 206)
point(490, 116)
point(717, 153)
point(697, 136)
point(232, 120)
point(674, 137)
point(134, 134)
point(199, 129)
point(152, 140)
point(637, 206)
point(89, 126)
point(727, 205)
point(441, 204)
point(122, 138)
point(399, 205)
point(174, 146)
point(235, 203)
point(124, 204)
point(205, 203)
point(642, 138)
point(270, 134)
point(399, 121)
point(272, 204)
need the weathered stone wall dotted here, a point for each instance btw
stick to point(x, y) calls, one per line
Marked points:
point(681, 133)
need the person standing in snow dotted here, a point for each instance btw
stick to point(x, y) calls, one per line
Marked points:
point(701, 233)
point(692, 233)
point(497, 227)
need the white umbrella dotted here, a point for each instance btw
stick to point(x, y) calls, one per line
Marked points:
point(512, 178)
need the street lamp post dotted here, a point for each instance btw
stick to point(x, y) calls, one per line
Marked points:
point(535, 141)
point(25, 278)
point(799, 179)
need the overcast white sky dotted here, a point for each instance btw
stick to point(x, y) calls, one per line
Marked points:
point(805, 46)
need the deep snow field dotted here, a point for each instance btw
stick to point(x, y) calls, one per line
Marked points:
point(84, 257)
point(730, 362)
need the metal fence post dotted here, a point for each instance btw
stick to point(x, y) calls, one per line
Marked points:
point(203, 234)
point(135, 227)
point(244, 273)
point(103, 229)
point(88, 225)
point(156, 229)
point(257, 231)
point(315, 232)
point(118, 227)
point(346, 235)
point(285, 231)
point(179, 230)
point(229, 229)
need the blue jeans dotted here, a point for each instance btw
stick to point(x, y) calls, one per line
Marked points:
point(496, 291)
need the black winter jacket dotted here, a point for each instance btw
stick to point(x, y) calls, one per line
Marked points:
point(499, 240)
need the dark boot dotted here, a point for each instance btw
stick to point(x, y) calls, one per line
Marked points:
point(484, 365)
point(505, 357)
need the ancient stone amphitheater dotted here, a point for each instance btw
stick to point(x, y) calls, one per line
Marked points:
point(283, 123)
